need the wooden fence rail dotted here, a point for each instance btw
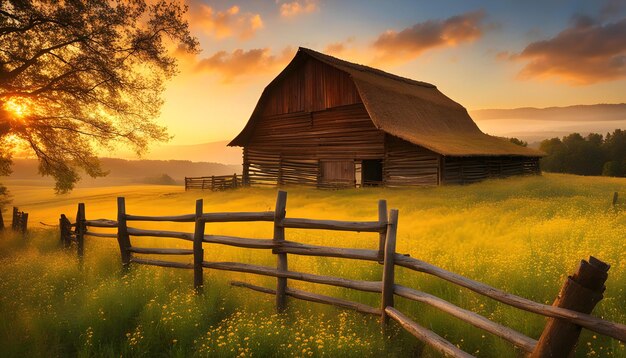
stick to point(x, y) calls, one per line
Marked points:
point(567, 316)
point(214, 183)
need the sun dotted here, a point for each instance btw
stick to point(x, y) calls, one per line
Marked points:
point(18, 106)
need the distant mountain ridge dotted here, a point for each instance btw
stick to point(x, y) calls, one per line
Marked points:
point(217, 152)
point(593, 112)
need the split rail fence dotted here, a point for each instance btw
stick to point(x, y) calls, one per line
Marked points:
point(214, 183)
point(567, 316)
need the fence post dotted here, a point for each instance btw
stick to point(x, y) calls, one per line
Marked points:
point(615, 198)
point(235, 181)
point(198, 252)
point(279, 236)
point(581, 292)
point(389, 265)
point(65, 231)
point(212, 182)
point(14, 222)
point(383, 220)
point(24, 222)
point(186, 187)
point(122, 233)
point(80, 230)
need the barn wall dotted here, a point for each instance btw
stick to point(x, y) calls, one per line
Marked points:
point(407, 164)
point(313, 86)
point(288, 148)
point(463, 170)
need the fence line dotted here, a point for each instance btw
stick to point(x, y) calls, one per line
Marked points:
point(571, 310)
point(214, 182)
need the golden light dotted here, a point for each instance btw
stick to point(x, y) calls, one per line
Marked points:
point(17, 106)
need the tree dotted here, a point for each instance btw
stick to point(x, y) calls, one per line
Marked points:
point(591, 155)
point(82, 75)
point(518, 141)
point(555, 154)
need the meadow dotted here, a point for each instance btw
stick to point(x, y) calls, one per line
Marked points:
point(522, 235)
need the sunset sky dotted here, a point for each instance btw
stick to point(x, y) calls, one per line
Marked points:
point(482, 54)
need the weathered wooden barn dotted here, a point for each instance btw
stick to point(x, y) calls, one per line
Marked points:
point(330, 123)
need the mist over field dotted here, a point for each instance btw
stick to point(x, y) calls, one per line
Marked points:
point(124, 172)
point(536, 124)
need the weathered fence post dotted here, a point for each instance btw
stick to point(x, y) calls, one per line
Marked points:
point(65, 228)
point(383, 221)
point(198, 252)
point(279, 236)
point(80, 230)
point(15, 220)
point(212, 183)
point(123, 238)
point(186, 185)
point(20, 220)
point(389, 265)
point(615, 196)
point(234, 181)
point(581, 292)
point(24, 222)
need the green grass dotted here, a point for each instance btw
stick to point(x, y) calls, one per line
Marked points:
point(522, 235)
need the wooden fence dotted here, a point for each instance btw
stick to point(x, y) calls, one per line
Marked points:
point(214, 183)
point(569, 313)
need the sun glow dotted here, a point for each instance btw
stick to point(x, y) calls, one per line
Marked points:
point(18, 106)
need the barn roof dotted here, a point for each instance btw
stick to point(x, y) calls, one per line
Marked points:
point(411, 110)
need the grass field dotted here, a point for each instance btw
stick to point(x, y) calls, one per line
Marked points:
point(522, 235)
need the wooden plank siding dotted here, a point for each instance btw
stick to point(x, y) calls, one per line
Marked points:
point(314, 87)
point(407, 164)
point(465, 170)
point(288, 148)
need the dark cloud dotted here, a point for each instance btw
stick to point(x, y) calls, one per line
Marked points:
point(613, 8)
point(409, 43)
point(584, 53)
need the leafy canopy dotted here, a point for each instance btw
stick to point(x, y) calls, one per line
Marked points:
point(78, 75)
point(590, 155)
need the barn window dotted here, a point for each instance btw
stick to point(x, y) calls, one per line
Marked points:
point(372, 172)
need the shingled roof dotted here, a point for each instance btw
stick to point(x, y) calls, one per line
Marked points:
point(411, 110)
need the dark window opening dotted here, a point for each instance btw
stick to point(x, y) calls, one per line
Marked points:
point(372, 172)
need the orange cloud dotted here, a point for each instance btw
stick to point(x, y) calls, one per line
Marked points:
point(338, 48)
point(241, 62)
point(582, 54)
point(393, 46)
point(297, 7)
point(227, 23)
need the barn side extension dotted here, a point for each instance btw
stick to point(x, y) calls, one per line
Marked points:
point(326, 122)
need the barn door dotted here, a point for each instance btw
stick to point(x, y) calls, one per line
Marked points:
point(337, 173)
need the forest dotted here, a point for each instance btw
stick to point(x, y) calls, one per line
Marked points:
point(594, 154)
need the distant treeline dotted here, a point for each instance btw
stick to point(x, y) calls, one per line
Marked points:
point(591, 155)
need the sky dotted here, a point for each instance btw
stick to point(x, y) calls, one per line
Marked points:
point(482, 54)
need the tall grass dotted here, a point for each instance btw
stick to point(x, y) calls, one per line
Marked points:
point(522, 235)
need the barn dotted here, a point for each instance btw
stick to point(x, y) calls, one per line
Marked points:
point(330, 123)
